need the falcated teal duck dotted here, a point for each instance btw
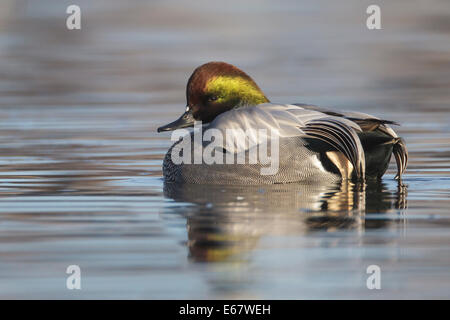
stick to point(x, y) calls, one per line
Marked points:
point(315, 144)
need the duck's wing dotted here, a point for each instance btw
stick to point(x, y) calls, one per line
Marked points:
point(369, 123)
point(253, 125)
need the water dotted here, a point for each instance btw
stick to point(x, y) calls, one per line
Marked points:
point(80, 159)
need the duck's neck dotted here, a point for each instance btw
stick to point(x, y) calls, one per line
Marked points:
point(253, 100)
point(242, 90)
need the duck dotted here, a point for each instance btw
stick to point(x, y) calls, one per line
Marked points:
point(313, 143)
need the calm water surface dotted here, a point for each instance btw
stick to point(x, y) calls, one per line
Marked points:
point(80, 159)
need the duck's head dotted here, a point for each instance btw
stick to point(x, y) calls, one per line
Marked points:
point(215, 88)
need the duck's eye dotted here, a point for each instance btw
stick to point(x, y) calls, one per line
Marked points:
point(212, 98)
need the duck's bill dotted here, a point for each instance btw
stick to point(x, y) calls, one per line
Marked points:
point(186, 120)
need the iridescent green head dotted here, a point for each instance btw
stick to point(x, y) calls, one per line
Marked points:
point(214, 88)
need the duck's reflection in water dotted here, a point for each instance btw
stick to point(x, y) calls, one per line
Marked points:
point(226, 222)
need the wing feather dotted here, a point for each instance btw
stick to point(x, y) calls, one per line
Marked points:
point(368, 122)
point(290, 121)
point(342, 138)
